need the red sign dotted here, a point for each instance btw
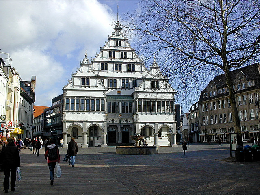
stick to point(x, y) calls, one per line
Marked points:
point(10, 124)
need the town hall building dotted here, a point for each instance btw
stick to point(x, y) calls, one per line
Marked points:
point(114, 97)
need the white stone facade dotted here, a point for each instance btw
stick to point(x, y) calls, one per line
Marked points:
point(114, 97)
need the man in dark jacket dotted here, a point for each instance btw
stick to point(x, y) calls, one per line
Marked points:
point(72, 150)
point(52, 158)
point(11, 160)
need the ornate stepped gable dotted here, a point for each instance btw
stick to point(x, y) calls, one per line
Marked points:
point(116, 60)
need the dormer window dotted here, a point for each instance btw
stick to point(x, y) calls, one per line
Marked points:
point(104, 66)
point(118, 42)
point(112, 54)
point(130, 67)
point(155, 84)
point(124, 55)
point(85, 81)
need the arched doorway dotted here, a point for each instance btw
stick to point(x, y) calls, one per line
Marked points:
point(94, 135)
point(111, 134)
point(125, 135)
point(147, 131)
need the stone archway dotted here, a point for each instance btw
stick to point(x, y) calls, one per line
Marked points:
point(164, 136)
point(95, 136)
point(126, 134)
point(111, 134)
point(76, 132)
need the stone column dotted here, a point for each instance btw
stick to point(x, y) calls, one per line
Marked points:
point(85, 140)
point(156, 134)
point(65, 139)
point(119, 133)
point(174, 139)
point(105, 135)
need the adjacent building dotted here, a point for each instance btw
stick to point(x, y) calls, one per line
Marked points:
point(53, 126)
point(114, 97)
point(16, 101)
point(211, 117)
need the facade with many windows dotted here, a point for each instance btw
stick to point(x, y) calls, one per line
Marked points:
point(114, 97)
point(211, 117)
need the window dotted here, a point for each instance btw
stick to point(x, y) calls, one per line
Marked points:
point(163, 106)
point(82, 104)
point(220, 118)
point(214, 106)
point(87, 105)
point(118, 42)
point(123, 107)
point(118, 67)
point(130, 67)
point(167, 106)
point(244, 99)
point(125, 84)
point(72, 104)
point(104, 66)
point(74, 132)
point(92, 104)
point(159, 106)
point(67, 106)
point(148, 103)
point(240, 115)
point(112, 54)
point(216, 119)
point(252, 114)
point(245, 115)
point(155, 84)
point(134, 83)
point(139, 105)
point(102, 105)
point(112, 83)
point(115, 108)
point(85, 81)
point(97, 104)
point(123, 55)
point(230, 117)
point(219, 104)
point(224, 118)
point(109, 107)
point(153, 106)
point(130, 107)
point(211, 119)
point(77, 104)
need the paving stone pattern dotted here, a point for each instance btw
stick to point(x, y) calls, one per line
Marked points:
point(205, 169)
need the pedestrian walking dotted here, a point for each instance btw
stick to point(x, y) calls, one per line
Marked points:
point(219, 141)
point(72, 150)
point(11, 160)
point(38, 146)
point(184, 147)
point(52, 156)
point(34, 145)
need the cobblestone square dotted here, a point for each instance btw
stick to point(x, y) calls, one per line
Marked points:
point(203, 170)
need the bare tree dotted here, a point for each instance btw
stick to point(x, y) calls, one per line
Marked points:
point(209, 35)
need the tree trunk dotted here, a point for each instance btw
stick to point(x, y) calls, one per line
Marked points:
point(234, 110)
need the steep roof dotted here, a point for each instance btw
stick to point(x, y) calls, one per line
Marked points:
point(38, 110)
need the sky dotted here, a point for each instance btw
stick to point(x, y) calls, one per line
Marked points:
point(49, 38)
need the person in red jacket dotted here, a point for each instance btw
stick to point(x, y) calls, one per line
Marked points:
point(11, 160)
point(52, 156)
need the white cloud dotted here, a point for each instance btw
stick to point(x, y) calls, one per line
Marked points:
point(41, 36)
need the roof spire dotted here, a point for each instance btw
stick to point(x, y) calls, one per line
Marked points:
point(118, 25)
point(117, 14)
